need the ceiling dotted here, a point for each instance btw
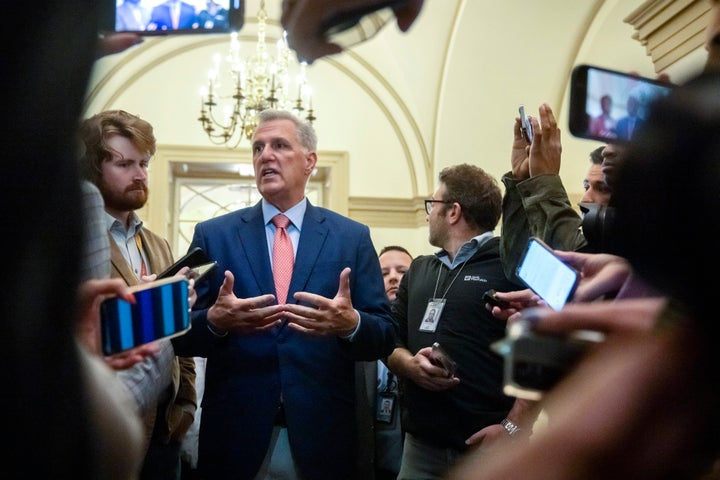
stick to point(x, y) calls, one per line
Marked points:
point(404, 105)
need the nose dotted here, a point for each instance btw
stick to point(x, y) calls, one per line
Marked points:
point(588, 196)
point(267, 151)
point(140, 172)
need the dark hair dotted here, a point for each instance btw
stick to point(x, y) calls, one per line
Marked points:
point(666, 197)
point(96, 130)
point(596, 155)
point(396, 248)
point(477, 193)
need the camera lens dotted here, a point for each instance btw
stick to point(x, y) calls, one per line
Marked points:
point(597, 224)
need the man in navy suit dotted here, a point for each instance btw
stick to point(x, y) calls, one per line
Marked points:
point(280, 379)
point(131, 15)
point(627, 125)
point(173, 15)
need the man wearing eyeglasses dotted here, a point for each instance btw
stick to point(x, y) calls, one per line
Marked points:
point(440, 300)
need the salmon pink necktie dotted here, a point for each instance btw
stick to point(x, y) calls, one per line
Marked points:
point(282, 257)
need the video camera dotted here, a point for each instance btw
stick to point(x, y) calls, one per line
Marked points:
point(597, 225)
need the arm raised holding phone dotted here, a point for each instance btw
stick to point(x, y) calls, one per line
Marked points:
point(304, 20)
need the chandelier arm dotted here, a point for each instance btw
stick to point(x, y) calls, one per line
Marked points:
point(259, 82)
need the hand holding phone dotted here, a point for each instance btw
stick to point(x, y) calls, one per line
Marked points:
point(490, 297)
point(546, 275)
point(201, 271)
point(440, 358)
point(349, 28)
point(194, 258)
point(525, 125)
point(161, 310)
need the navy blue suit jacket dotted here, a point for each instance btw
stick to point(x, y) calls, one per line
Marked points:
point(162, 18)
point(622, 127)
point(246, 372)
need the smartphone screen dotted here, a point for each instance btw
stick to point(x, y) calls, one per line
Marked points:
point(608, 105)
point(161, 309)
point(547, 275)
point(165, 17)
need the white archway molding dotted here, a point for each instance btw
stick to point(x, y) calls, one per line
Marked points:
point(113, 81)
point(397, 112)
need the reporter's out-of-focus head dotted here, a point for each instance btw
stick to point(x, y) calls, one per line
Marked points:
point(666, 196)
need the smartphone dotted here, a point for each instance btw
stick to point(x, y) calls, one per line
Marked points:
point(534, 363)
point(194, 258)
point(161, 310)
point(153, 17)
point(546, 275)
point(490, 297)
point(608, 105)
point(525, 125)
point(201, 271)
point(440, 358)
point(351, 27)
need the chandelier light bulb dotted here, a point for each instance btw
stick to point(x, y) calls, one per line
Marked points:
point(258, 83)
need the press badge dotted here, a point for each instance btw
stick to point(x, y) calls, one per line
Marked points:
point(432, 315)
point(385, 407)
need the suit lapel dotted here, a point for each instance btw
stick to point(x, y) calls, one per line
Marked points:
point(120, 266)
point(312, 238)
point(256, 248)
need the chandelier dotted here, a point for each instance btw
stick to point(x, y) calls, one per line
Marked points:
point(256, 83)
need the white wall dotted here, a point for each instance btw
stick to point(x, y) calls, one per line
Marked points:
point(405, 105)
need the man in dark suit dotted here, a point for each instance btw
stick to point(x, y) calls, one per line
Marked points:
point(173, 15)
point(627, 125)
point(280, 381)
point(131, 15)
point(379, 433)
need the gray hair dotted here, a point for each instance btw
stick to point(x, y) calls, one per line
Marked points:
point(305, 132)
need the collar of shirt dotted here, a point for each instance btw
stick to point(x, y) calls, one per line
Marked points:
point(465, 251)
point(114, 225)
point(125, 240)
point(296, 213)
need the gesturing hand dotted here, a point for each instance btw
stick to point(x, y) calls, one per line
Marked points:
point(329, 316)
point(230, 313)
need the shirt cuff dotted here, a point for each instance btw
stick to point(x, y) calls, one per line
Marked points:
point(351, 335)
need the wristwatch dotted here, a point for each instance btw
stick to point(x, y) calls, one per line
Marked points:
point(510, 427)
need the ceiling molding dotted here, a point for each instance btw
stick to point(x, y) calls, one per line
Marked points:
point(388, 212)
point(670, 29)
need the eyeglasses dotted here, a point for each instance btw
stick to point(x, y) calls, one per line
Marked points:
point(429, 204)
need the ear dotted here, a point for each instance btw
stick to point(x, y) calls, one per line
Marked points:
point(454, 213)
point(310, 162)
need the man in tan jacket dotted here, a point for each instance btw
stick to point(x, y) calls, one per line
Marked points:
point(118, 148)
